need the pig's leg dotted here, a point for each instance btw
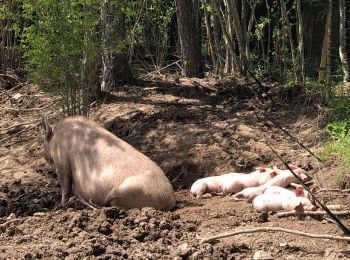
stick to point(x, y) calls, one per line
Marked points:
point(65, 180)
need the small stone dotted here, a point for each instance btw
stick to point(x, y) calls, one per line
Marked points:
point(262, 255)
point(196, 256)
point(284, 245)
point(183, 250)
point(39, 214)
point(17, 96)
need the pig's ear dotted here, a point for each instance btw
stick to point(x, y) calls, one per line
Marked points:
point(46, 125)
point(298, 192)
point(273, 174)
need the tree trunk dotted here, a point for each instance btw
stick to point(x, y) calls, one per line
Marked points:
point(290, 35)
point(189, 38)
point(325, 48)
point(217, 36)
point(267, 60)
point(300, 42)
point(212, 47)
point(250, 27)
point(329, 60)
point(240, 33)
point(230, 43)
point(116, 69)
point(342, 41)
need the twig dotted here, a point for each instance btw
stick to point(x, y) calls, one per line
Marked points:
point(158, 70)
point(3, 225)
point(21, 124)
point(333, 190)
point(272, 229)
point(13, 135)
point(29, 109)
point(311, 213)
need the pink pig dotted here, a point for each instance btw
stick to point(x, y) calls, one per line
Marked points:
point(283, 179)
point(277, 198)
point(210, 185)
point(230, 182)
point(235, 184)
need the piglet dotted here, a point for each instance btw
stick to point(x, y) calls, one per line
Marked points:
point(283, 179)
point(205, 187)
point(234, 184)
point(274, 200)
point(230, 182)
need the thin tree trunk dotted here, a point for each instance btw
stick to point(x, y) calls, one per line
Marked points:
point(217, 36)
point(342, 41)
point(239, 32)
point(267, 60)
point(229, 40)
point(189, 38)
point(329, 60)
point(325, 48)
point(300, 42)
point(250, 27)
point(285, 15)
point(212, 46)
point(116, 69)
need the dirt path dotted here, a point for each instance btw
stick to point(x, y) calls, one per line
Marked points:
point(191, 129)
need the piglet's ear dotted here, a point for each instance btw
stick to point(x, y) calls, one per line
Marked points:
point(298, 191)
point(46, 125)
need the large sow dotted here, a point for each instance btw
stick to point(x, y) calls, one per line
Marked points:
point(104, 169)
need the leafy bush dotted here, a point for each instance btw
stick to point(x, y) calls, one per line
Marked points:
point(339, 143)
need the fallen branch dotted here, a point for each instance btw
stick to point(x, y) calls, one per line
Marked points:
point(3, 225)
point(29, 109)
point(15, 134)
point(311, 213)
point(272, 229)
point(18, 125)
point(158, 70)
point(333, 190)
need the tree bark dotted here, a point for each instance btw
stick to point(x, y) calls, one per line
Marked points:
point(240, 33)
point(212, 47)
point(329, 69)
point(230, 43)
point(116, 69)
point(289, 28)
point(342, 41)
point(300, 42)
point(189, 38)
point(325, 48)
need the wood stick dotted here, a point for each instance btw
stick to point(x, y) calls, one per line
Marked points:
point(333, 190)
point(311, 213)
point(29, 109)
point(17, 125)
point(20, 132)
point(272, 229)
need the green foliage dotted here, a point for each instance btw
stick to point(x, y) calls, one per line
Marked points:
point(339, 143)
point(148, 26)
point(58, 42)
point(338, 130)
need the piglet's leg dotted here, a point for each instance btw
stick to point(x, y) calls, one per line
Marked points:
point(65, 181)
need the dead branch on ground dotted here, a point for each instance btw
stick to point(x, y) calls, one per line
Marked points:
point(311, 213)
point(272, 229)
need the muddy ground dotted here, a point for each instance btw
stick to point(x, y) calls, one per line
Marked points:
point(191, 128)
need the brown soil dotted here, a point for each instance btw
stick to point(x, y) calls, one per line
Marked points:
point(191, 128)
